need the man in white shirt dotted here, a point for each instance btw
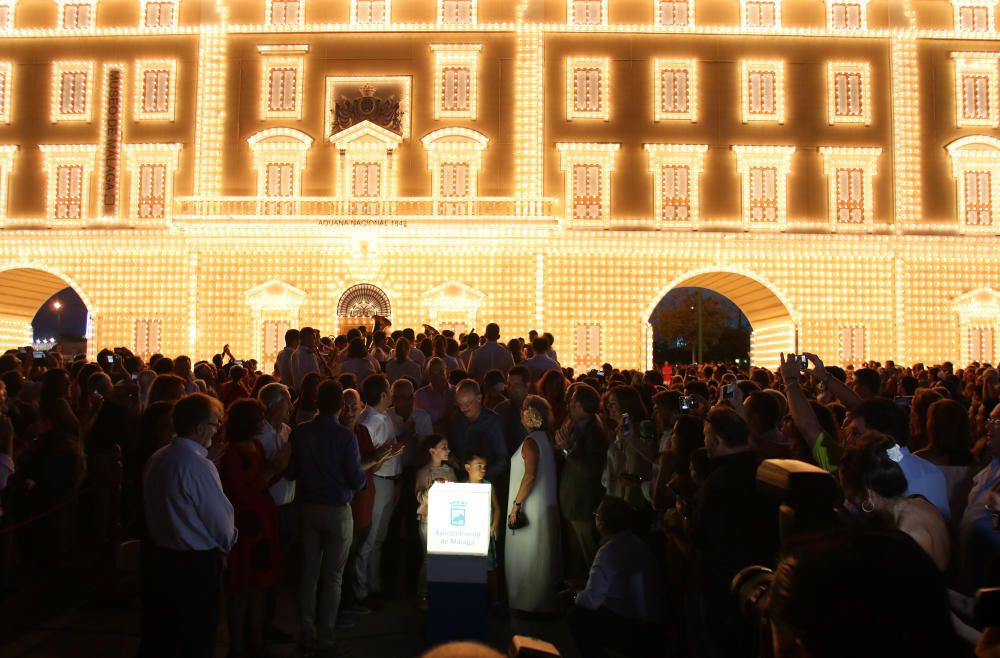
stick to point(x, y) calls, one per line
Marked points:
point(304, 359)
point(620, 606)
point(190, 527)
point(379, 349)
point(277, 407)
point(367, 573)
point(282, 364)
point(490, 356)
point(416, 355)
point(471, 345)
point(411, 425)
point(550, 339)
point(539, 364)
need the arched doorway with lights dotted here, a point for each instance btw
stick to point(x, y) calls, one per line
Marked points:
point(359, 304)
point(772, 321)
point(41, 306)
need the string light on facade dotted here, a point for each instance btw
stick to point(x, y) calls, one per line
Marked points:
point(586, 222)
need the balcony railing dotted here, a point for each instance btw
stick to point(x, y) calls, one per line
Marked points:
point(316, 209)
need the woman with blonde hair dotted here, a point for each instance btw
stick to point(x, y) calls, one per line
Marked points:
point(532, 561)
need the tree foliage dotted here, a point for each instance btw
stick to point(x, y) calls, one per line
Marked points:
point(678, 319)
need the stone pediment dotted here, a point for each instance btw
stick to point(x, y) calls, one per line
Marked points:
point(368, 134)
point(979, 303)
point(274, 294)
point(453, 296)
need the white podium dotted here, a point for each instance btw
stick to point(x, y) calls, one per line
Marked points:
point(458, 541)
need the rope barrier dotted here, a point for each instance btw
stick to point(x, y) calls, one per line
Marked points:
point(49, 512)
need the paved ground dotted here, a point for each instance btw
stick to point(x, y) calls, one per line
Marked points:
point(73, 621)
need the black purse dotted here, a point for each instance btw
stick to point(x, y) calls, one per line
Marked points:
point(520, 520)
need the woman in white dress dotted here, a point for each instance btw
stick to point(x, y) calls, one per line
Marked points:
point(532, 561)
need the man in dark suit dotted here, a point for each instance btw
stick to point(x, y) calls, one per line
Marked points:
point(585, 449)
point(732, 526)
point(326, 463)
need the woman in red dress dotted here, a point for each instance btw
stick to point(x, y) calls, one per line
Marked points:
point(255, 562)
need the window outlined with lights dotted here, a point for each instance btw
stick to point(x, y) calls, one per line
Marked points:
point(72, 90)
point(279, 158)
point(457, 12)
point(979, 323)
point(371, 12)
point(852, 344)
point(676, 171)
point(6, 91)
point(760, 13)
point(587, 169)
point(455, 158)
point(282, 71)
point(69, 170)
point(977, 89)
point(848, 93)
point(975, 15)
point(975, 163)
point(847, 14)
point(7, 14)
point(456, 80)
point(148, 336)
point(285, 12)
point(587, 12)
point(7, 152)
point(587, 88)
point(762, 86)
point(586, 346)
point(675, 89)
point(366, 173)
point(155, 90)
point(764, 174)
point(75, 15)
point(151, 169)
point(850, 172)
point(158, 13)
point(672, 13)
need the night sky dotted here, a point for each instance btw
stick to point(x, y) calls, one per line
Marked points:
point(73, 321)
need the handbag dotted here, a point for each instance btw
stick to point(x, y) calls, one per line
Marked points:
point(520, 520)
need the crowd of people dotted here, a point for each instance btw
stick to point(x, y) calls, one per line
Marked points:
point(626, 502)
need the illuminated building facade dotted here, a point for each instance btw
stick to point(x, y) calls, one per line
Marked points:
point(204, 172)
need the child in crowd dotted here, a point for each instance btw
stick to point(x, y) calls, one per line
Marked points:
point(475, 467)
point(436, 470)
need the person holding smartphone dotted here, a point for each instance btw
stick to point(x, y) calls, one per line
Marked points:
point(628, 461)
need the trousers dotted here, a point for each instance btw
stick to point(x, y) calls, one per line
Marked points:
point(327, 531)
point(181, 603)
point(368, 566)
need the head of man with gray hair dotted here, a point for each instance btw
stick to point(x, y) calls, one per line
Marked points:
point(277, 403)
point(402, 397)
point(469, 398)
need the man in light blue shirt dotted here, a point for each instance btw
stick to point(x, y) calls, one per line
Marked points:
point(922, 477)
point(979, 540)
point(190, 527)
point(620, 606)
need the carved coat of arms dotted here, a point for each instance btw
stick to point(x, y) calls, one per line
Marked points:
point(384, 112)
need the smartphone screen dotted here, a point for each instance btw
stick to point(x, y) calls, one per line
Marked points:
point(727, 391)
point(110, 358)
point(39, 356)
point(626, 424)
point(803, 361)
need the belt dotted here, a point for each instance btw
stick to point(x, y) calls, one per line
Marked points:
point(387, 477)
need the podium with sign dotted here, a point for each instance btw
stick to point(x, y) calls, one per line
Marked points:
point(458, 542)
